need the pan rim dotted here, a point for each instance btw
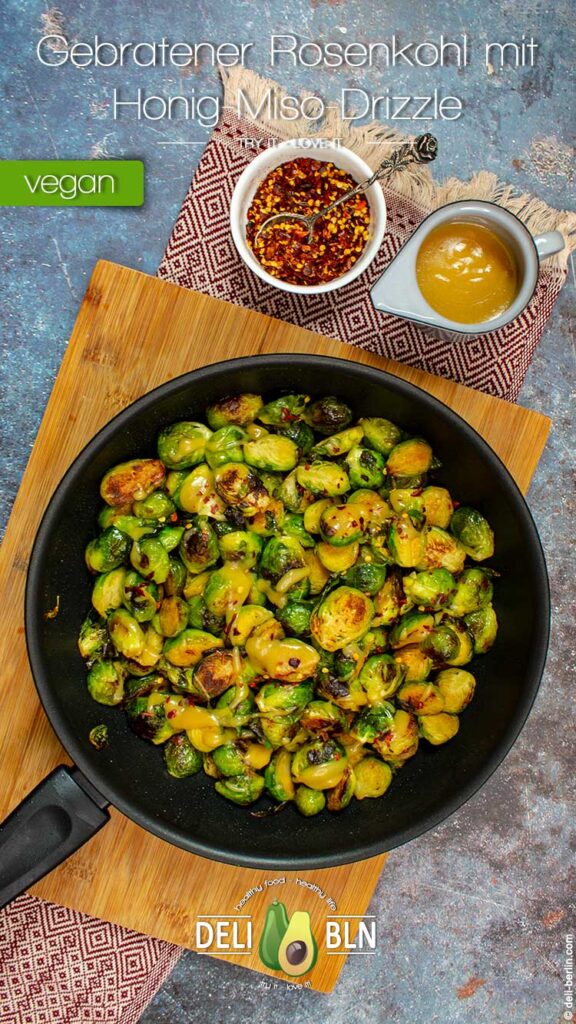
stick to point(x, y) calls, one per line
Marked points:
point(97, 777)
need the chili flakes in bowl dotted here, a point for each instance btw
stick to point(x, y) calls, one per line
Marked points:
point(306, 186)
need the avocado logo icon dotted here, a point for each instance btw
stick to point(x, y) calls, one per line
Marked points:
point(288, 945)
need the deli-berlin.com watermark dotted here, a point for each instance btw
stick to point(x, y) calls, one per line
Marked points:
point(569, 979)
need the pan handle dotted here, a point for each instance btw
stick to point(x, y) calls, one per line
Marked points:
point(53, 821)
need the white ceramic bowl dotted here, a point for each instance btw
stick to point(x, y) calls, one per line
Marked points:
point(257, 170)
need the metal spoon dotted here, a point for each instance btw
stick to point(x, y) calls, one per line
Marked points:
point(422, 150)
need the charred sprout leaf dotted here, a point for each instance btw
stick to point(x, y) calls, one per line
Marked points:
point(93, 641)
point(98, 736)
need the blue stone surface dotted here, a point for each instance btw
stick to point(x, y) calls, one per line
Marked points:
point(472, 916)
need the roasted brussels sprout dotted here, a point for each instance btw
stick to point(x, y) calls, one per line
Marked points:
point(189, 646)
point(126, 633)
point(380, 676)
point(278, 777)
point(301, 434)
point(199, 548)
point(132, 481)
point(474, 533)
point(337, 559)
point(473, 591)
point(182, 445)
point(338, 444)
point(413, 628)
point(441, 551)
point(432, 590)
point(328, 415)
point(280, 555)
point(93, 641)
point(225, 445)
point(106, 682)
point(366, 468)
point(380, 434)
point(457, 688)
point(409, 500)
point(406, 543)
point(147, 718)
point(320, 764)
point(372, 778)
point(241, 789)
point(293, 495)
point(107, 551)
point(236, 410)
point(373, 722)
point(197, 494)
point(273, 453)
point(438, 729)
point(322, 716)
point(318, 575)
point(293, 526)
point(240, 487)
point(401, 740)
point(409, 458)
point(150, 558)
point(483, 625)
point(133, 526)
point(391, 601)
point(170, 537)
point(172, 616)
point(323, 478)
point(227, 589)
point(295, 617)
point(438, 506)
point(420, 698)
point(339, 796)
point(182, 759)
point(414, 662)
point(342, 617)
point(235, 706)
point(441, 644)
point(284, 410)
point(176, 578)
point(241, 548)
point(342, 524)
point(290, 660)
point(156, 506)
point(140, 596)
point(369, 577)
point(309, 801)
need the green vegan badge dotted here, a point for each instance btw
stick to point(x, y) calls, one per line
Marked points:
point(71, 183)
point(287, 945)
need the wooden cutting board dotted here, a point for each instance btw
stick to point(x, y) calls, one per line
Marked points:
point(134, 332)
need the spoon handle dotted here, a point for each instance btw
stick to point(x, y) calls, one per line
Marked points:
point(422, 150)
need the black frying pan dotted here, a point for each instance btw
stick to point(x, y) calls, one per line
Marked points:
point(69, 806)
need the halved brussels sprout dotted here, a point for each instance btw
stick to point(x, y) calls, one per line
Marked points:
point(309, 801)
point(276, 697)
point(406, 543)
point(133, 526)
point(366, 468)
point(281, 730)
point(150, 558)
point(343, 616)
point(328, 415)
point(93, 641)
point(410, 500)
point(182, 445)
point(483, 626)
point(198, 547)
point(293, 495)
point(182, 759)
point(280, 555)
point(373, 722)
point(107, 551)
point(216, 672)
point(323, 478)
point(229, 760)
point(235, 706)
point(157, 505)
point(336, 559)
point(147, 717)
point(143, 686)
point(410, 458)
point(348, 694)
point(132, 481)
point(200, 616)
point(284, 410)
point(150, 653)
point(372, 778)
point(106, 682)
point(241, 548)
point(242, 622)
point(273, 453)
point(108, 591)
point(170, 537)
point(172, 616)
point(140, 597)
point(438, 506)
point(391, 601)
point(474, 533)
point(313, 513)
point(340, 795)
point(433, 590)
point(414, 662)
point(438, 729)
point(293, 526)
point(441, 551)
point(369, 577)
point(342, 524)
point(413, 628)
point(227, 589)
point(301, 434)
point(318, 575)
point(189, 646)
point(295, 617)
point(442, 644)
point(176, 578)
point(241, 789)
point(290, 660)
point(338, 444)
point(236, 410)
point(457, 688)
point(380, 434)
point(278, 777)
point(225, 445)
point(380, 676)
point(473, 591)
point(320, 764)
point(126, 633)
point(401, 740)
point(242, 488)
point(322, 716)
point(197, 494)
point(421, 698)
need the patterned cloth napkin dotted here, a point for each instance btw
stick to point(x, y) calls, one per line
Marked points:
point(61, 967)
point(201, 255)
